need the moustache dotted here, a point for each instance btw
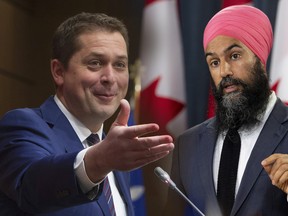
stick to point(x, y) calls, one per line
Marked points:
point(226, 81)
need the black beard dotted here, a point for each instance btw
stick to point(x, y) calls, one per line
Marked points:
point(242, 108)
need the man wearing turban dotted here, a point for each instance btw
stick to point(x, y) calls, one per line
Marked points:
point(236, 163)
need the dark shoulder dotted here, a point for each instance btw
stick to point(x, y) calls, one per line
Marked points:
point(200, 128)
point(21, 113)
point(21, 116)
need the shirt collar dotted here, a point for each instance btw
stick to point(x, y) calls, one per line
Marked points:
point(80, 129)
point(271, 103)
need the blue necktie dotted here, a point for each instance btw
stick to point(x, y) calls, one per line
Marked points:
point(91, 140)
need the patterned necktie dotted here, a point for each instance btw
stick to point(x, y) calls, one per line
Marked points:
point(108, 195)
point(228, 171)
point(91, 140)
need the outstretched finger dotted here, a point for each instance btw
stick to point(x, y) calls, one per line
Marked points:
point(140, 130)
point(153, 141)
point(149, 159)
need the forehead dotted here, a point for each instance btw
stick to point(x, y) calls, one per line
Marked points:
point(223, 44)
point(103, 40)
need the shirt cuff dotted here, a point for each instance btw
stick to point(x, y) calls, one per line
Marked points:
point(84, 182)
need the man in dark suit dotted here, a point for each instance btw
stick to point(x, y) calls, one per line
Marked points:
point(49, 165)
point(251, 126)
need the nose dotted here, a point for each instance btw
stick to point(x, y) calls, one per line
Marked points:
point(225, 69)
point(107, 75)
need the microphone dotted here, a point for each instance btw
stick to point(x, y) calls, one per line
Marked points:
point(164, 176)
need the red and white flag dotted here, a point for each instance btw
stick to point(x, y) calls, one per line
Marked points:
point(162, 96)
point(227, 3)
point(279, 58)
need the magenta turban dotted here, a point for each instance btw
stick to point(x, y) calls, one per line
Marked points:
point(245, 23)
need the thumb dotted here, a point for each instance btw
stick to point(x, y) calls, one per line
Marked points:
point(123, 115)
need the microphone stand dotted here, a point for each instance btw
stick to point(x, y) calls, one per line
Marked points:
point(164, 176)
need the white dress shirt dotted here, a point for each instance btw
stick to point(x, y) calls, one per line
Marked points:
point(79, 166)
point(248, 140)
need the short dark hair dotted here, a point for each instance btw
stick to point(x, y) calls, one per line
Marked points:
point(64, 41)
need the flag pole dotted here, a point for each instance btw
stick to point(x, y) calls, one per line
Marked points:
point(135, 76)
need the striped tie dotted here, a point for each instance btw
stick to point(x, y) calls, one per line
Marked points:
point(108, 195)
point(91, 140)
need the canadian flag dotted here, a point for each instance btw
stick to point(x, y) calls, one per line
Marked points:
point(162, 96)
point(279, 58)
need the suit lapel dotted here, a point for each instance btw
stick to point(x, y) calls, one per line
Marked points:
point(124, 191)
point(207, 138)
point(102, 203)
point(61, 126)
point(268, 140)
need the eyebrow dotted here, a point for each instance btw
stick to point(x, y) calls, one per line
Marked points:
point(100, 55)
point(226, 50)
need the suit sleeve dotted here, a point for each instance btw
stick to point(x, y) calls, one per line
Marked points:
point(36, 172)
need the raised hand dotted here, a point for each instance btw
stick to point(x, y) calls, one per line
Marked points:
point(276, 166)
point(126, 148)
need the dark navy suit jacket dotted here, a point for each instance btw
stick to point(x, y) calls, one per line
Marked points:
point(37, 152)
point(192, 168)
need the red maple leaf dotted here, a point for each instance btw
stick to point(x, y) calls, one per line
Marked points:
point(155, 109)
point(275, 88)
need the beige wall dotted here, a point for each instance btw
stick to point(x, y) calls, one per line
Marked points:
point(16, 78)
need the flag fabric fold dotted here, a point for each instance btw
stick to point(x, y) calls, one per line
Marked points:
point(162, 97)
point(279, 58)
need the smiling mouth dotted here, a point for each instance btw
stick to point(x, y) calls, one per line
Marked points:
point(106, 97)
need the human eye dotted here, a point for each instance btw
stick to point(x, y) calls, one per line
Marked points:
point(235, 56)
point(94, 64)
point(120, 65)
point(214, 63)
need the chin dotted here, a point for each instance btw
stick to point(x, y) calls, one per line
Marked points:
point(109, 110)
